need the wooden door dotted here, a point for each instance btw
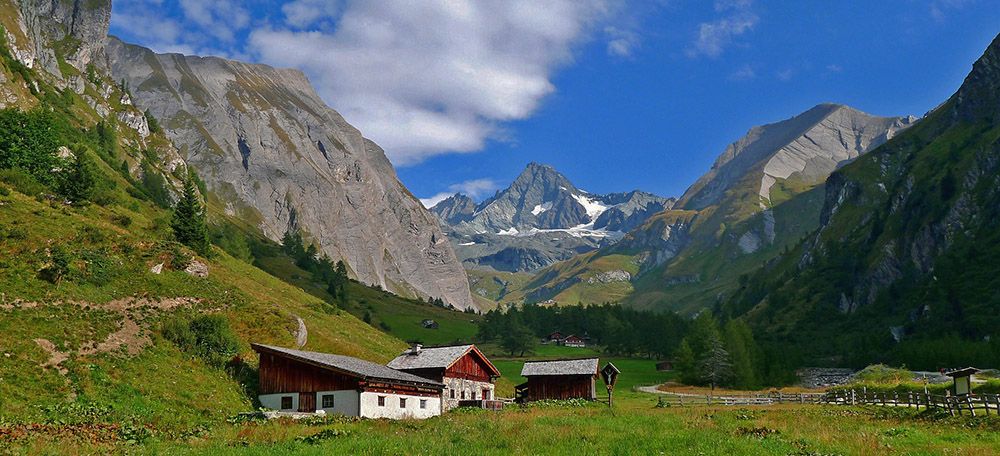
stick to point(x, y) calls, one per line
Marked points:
point(307, 402)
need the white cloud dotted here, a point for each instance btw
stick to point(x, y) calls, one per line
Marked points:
point(308, 13)
point(713, 37)
point(220, 18)
point(474, 189)
point(785, 75)
point(939, 9)
point(621, 42)
point(743, 73)
point(423, 78)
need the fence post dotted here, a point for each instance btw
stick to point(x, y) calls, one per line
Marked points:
point(854, 397)
point(968, 400)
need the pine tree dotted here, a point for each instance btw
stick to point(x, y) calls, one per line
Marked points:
point(684, 363)
point(78, 182)
point(189, 223)
point(715, 366)
point(744, 353)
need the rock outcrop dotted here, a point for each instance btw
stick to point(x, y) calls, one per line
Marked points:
point(269, 148)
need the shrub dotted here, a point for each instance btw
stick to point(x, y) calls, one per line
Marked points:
point(207, 336)
point(58, 266)
point(4, 191)
point(22, 181)
point(121, 220)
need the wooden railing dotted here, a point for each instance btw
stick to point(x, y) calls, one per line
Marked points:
point(669, 399)
point(955, 405)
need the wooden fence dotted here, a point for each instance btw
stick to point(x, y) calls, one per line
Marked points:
point(955, 405)
point(742, 399)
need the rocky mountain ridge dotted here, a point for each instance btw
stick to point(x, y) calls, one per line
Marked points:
point(731, 219)
point(274, 154)
point(539, 219)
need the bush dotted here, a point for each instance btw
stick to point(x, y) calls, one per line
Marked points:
point(206, 336)
point(22, 181)
point(58, 266)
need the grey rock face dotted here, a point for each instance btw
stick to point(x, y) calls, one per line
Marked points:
point(82, 24)
point(266, 144)
point(542, 218)
point(808, 146)
point(455, 209)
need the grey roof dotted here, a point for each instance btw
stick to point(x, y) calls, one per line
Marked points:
point(355, 366)
point(430, 357)
point(586, 366)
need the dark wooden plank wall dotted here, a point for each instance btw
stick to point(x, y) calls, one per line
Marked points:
point(560, 387)
point(281, 375)
point(469, 367)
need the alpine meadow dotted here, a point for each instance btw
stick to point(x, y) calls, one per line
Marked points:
point(211, 240)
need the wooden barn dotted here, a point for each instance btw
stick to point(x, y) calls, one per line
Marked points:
point(562, 379)
point(468, 376)
point(306, 382)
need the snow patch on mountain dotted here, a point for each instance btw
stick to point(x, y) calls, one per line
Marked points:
point(594, 208)
point(539, 208)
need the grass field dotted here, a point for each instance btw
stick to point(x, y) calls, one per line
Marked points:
point(634, 426)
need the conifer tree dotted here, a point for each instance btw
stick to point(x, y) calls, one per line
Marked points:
point(78, 182)
point(189, 223)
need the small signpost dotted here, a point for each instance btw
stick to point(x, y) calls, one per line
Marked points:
point(610, 375)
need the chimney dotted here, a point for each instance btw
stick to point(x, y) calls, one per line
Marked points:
point(416, 349)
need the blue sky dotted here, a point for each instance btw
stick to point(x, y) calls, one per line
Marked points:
point(616, 95)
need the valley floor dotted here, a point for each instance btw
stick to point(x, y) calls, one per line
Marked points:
point(634, 426)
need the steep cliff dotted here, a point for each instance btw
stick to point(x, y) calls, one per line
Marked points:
point(276, 155)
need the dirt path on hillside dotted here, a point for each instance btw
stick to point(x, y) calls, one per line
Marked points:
point(130, 335)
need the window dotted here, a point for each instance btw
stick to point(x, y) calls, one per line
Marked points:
point(328, 401)
point(423, 403)
point(486, 394)
point(452, 394)
point(463, 394)
point(381, 401)
point(286, 402)
point(473, 394)
point(402, 402)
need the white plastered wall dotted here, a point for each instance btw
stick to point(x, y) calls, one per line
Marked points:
point(370, 408)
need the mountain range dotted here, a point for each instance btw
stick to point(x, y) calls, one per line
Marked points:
point(541, 218)
point(728, 222)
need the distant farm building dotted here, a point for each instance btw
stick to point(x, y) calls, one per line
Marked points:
point(306, 382)
point(555, 337)
point(665, 365)
point(574, 341)
point(429, 324)
point(563, 379)
point(468, 376)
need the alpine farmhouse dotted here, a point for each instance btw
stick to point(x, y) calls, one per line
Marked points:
point(466, 373)
point(298, 381)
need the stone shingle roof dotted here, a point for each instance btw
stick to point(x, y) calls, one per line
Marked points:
point(437, 358)
point(347, 364)
point(586, 366)
point(430, 357)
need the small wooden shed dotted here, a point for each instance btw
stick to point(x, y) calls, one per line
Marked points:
point(560, 379)
point(962, 380)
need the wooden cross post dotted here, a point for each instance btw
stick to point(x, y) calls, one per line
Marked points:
point(610, 375)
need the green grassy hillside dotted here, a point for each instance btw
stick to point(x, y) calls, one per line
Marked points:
point(903, 268)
